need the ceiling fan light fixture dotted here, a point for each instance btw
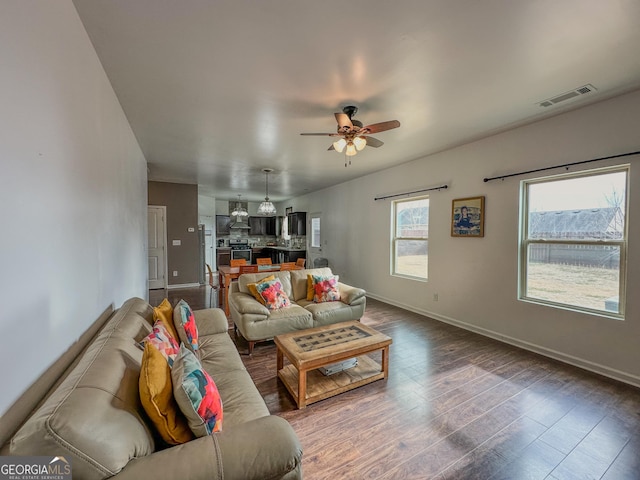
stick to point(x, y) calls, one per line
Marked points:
point(339, 145)
point(360, 143)
point(351, 149)
point(267, 208)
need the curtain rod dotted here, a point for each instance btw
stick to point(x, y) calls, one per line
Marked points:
point(441, 187)
point(566, 165)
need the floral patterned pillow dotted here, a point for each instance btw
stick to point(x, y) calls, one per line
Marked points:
point(185, 323)
point(273, 294)
point(325, 289)
point(196, 394)
point(163, 341)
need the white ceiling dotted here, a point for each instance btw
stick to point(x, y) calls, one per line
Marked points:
point(216, 90)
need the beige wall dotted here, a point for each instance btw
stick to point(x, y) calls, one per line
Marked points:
point(181, 201)
point(477, 279)
point(72, 192)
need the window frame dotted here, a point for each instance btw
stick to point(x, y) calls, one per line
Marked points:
point(525, 242)
point(395, 238)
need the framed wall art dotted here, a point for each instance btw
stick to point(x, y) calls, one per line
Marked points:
point(467, 217)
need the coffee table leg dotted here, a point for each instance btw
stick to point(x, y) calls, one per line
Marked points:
point(385, 362)
point(302, 388)
point(279, 359)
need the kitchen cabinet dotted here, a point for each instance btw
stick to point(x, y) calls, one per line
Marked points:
point(298, 223)
point(262, 226)
point(223, 225)
point(271, 226)
point(260, 253)
point(223, 256)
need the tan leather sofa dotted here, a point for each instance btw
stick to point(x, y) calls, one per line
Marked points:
point(257, 323)
point(94, 417)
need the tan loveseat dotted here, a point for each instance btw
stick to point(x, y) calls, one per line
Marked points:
point(94, 417)
point(257, 323)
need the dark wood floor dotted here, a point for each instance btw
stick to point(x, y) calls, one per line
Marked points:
point(457, 406)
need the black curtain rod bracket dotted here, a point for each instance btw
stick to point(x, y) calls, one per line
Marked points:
point(566, 165)
point(441, 187)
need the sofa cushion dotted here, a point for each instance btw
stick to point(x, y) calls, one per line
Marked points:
point(325, 289)
point(98, 400)
point(185, 323)
point(164, 313)
point(156, 395)
point(196, 394)
point(273, 294)
point(299, 281)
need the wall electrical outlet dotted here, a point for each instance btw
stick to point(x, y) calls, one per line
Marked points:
point(175, 273)
point(435, 297)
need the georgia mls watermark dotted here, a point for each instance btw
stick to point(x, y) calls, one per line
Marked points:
point(35, 468)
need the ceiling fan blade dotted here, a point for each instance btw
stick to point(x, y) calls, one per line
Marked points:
point(323, 134)
point(382, 126)
point(331, 147)
point(344, 122)
point(374, 142)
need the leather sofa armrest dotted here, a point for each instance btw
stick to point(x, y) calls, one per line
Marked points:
point(263, 448)
point(349, 294)
point(211, 321)
point(245, 303)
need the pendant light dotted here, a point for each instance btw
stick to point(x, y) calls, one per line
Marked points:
point(239, 211)
point(267, 208)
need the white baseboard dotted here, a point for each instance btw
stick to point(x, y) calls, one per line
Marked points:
point(183, 285)
point(547, 352)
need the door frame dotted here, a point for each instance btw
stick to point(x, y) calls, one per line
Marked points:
point(163, 208)
point(314, 252)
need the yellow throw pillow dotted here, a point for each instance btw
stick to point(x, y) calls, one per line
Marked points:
point(254, 291)
point(310, 291)
point(156, 395)
point(164, 313)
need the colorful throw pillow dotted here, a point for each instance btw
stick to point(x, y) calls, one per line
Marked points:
point(273, 295)
point(254, 291)
point(164, 312)
point(196, 394)
point(156, 396)
point(163, 341)
point(185, 323)
point(325, 289)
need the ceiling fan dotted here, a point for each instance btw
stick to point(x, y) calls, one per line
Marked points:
point(355, 136)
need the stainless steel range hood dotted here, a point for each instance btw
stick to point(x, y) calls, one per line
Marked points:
point(239, 224)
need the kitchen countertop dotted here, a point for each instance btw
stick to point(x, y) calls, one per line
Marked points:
point(284, 249)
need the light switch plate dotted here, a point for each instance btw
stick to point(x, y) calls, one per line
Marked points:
point(176, 243)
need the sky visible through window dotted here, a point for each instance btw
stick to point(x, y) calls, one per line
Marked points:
point(595, 191)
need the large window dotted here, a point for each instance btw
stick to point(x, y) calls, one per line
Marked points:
point(410, 238)
point(573, 241)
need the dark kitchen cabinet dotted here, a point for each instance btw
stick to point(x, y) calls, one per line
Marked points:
point(223, 225)
point(256, 225)
point(262, 226)
point(223, 256)
point(298, 223)
point(271, 228)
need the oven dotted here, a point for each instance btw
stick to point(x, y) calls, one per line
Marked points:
point(240, 249)
point(241, 253)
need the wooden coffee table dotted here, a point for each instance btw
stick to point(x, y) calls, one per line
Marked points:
point(308, 350)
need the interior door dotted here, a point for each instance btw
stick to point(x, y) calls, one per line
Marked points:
point(314, 238)
point(157, 241)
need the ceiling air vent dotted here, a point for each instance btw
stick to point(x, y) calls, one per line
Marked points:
point(568, 95)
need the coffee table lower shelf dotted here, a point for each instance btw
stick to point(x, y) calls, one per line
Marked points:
point(320, 387)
